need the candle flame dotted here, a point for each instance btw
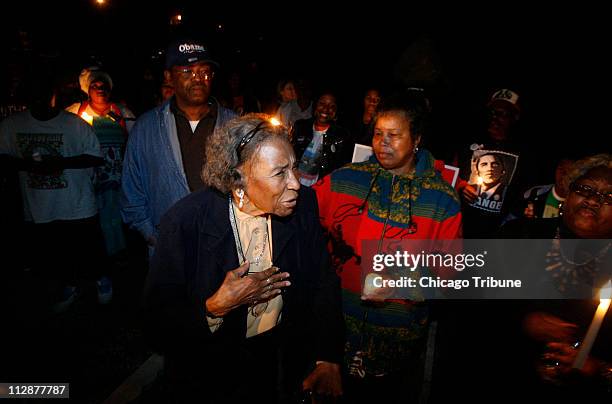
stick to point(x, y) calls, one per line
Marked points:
point(176, 19)
point(479, 180)
point(275, 122)
point(87, 118)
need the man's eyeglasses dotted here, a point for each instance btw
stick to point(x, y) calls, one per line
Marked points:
point(588, 192)
point(187, 73)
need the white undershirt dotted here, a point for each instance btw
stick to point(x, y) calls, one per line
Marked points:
point(194, 125)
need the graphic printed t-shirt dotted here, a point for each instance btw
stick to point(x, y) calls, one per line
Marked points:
point(64, 195)
point(309, 163)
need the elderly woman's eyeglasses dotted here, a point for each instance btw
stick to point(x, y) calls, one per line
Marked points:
point(188, 73)
point(590, 193)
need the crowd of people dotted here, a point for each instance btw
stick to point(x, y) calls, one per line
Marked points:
point(254, 220)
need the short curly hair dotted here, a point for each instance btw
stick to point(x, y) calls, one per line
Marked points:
point(226, 151)
point(581, 167)
point(413, 106)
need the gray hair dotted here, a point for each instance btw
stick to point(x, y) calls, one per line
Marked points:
point(581, 167)
point(226, 150)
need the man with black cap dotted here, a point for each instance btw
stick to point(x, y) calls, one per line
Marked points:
point(484, 209)
point(165, 150)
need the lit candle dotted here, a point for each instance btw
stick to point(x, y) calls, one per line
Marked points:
point(479, 181)
point(87, 118)
point(589, 339)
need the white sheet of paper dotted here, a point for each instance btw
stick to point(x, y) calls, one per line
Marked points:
point(361, 153)
point(455, 173)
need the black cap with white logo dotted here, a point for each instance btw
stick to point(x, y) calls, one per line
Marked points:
point(185, 52)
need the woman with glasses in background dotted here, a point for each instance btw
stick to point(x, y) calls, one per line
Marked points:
point(587, 211)
point(240, 295)
point(577, 265)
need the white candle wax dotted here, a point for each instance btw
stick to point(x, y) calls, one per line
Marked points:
point(591, 334)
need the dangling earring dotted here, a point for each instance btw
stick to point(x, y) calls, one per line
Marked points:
point(560, 209)
point(416, 149)
point(240, 194)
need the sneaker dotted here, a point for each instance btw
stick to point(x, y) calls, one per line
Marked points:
point(105, 290)
point(69, 295)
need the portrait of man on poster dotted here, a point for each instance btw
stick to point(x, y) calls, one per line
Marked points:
point(491, 173)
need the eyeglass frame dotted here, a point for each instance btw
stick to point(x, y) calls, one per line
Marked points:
point(188, 73)
point(589, 192)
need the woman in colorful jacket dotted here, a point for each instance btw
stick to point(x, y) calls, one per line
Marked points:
point(396, 194)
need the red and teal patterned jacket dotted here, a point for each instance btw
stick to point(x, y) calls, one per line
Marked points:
point(386, 335)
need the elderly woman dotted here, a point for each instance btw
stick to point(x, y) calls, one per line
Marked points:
point(240, 293)
point(396, 194)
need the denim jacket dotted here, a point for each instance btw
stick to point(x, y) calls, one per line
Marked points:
point(153, 176)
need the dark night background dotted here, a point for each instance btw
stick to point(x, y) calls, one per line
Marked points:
point(554, 58)
point(551, 57)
